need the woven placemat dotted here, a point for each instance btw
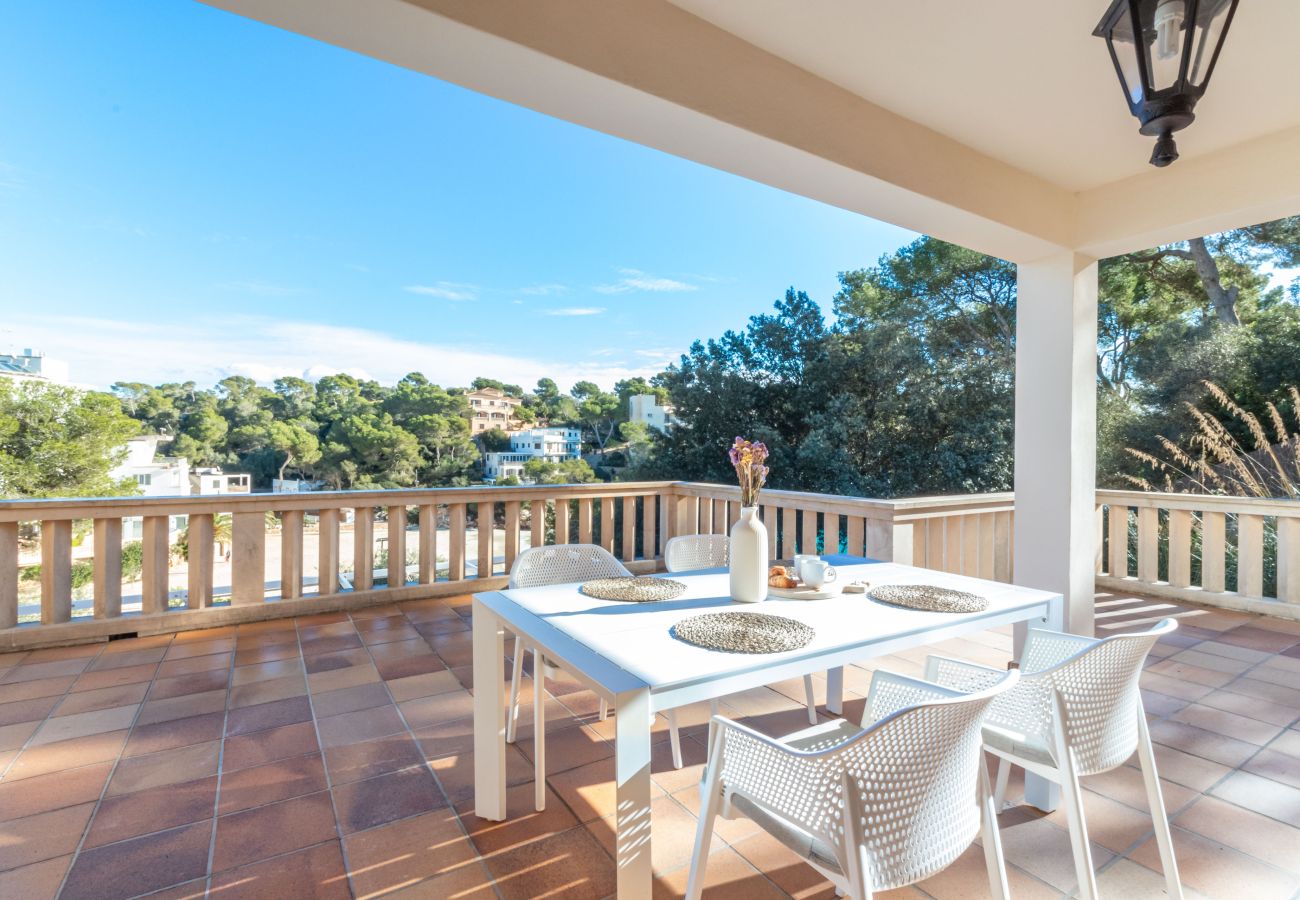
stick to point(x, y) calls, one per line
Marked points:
point(633, 589)
point(929, 598)
point(739, 632)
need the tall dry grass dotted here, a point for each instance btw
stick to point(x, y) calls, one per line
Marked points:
point(1215, 462)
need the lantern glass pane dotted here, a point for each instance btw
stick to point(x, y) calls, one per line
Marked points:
point(1126, 55)
point(1164, 29)
point(1210, 22)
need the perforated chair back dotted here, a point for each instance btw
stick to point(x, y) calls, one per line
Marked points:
point(1099, 690)
point(696, 551)
point(562, 563)
point(913, 780)
point(1097, 681)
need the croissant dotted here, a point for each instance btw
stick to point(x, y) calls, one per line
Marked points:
point(776, 570)
point(782, 581)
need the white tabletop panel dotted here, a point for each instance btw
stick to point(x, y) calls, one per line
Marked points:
point(637, 637)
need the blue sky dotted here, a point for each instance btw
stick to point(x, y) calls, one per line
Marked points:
point(186, 194)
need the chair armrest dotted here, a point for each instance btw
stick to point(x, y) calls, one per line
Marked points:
point(961, 675)
point(773, 774)
point(891, 692)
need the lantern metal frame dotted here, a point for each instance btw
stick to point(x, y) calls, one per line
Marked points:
point(1162, 111)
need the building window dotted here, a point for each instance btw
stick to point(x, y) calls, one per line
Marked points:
point(144, 480)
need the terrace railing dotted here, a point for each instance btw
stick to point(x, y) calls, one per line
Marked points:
point(344, 549)
point(1234, 552)
point(260, 556)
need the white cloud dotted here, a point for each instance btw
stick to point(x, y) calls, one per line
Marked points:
point(445, 290)
point(544, 290)
point(574, 311)
point(636, 280)
point(207, 349)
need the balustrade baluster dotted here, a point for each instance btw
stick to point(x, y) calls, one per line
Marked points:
point(198, 564)
point(689, 516)
point(808, 531)
point(428, 544)
point(1148, 544)
point(396, 546)
point(512, 533)
point(629, 528)
point(1180, 548)
point(456, 542)
point(987, 546)
point(154, 582)
point(486, 538)
point(1003, 534)
point(970, 545)
point(562, 510)
point(584, 520)
point(327, 551)
point(1213, 547)
point(247, 557)
point(1118, 528)
point(856, 538)
point(607, 523)
point(831, 530)
point(936, 544)
point(537, 523)
point(952, 544)
point(108, 568)
point(363, 548)
point(8, 574)
point(291, 554)
point(56, 571)
point(649, 516)
point(1250, 555)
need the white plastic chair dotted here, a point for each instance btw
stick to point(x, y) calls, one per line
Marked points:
point(1077, 711)
point(872, 808)
point(689, 552)
point(560, 564)
point(696, 551)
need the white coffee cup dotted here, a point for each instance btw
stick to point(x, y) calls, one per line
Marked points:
point(816, 572)
point(799, 560)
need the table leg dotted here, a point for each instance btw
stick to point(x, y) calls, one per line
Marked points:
point(489, 639)
point(632, 794)
point(1039, 792)
point(835, 690)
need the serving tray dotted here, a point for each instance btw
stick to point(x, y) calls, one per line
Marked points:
point(803, 592)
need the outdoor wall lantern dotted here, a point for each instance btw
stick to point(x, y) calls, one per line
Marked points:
point(1166, 71)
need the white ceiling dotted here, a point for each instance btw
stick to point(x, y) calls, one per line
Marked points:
point(1023, 81)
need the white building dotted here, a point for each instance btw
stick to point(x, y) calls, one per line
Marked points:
point(172, 476)
point(645, 408)
point(211, 480)
point(553, 444)
point(155, 476)
point(497, 466)
point(550, 444)
point(35, 365)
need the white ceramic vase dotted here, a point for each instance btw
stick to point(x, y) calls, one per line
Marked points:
point(749, 557)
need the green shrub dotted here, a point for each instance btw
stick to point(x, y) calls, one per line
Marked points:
point(132, 560)
point(83, 573)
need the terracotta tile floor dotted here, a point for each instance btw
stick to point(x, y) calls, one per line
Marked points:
point(330, 756)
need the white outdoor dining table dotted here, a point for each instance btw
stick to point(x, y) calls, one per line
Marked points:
point(626, 653)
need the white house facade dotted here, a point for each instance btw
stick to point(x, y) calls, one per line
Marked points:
point(550, 444)
point(645, 408)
